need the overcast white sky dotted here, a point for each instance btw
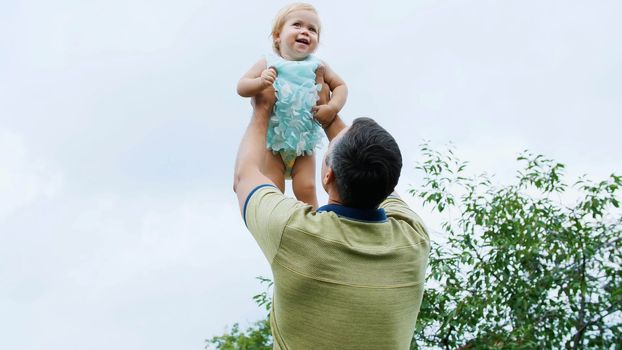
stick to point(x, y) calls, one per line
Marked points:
point(119, 124)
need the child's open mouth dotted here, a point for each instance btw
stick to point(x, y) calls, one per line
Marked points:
point(303, 41)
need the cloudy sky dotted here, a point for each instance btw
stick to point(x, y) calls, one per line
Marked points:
point(119, 124)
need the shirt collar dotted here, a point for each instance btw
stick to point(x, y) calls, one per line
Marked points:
point(370, 215)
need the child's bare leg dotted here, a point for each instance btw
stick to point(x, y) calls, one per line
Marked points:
point(303, 180)
point(274, 169)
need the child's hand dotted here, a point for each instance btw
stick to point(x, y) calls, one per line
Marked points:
point(324, 114)
point(268, 76)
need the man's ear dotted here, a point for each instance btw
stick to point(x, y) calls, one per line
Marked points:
point(329, 177)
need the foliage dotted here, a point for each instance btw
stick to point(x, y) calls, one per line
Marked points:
point(523, 266)
point(257, 337)
point(264, 299)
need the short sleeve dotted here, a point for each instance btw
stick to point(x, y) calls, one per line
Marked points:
point(266, 213)
point(397, 209)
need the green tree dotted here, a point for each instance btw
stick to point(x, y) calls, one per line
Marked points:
point(530, 265)
point(256, 337)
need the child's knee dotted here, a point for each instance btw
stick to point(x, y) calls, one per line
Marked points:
point(305, 192)
point(278, 180)
point(303, 186)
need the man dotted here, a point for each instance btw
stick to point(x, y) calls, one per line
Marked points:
point(349, 275)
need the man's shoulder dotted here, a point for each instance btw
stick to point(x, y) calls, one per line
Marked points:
point(393, 205)
point(397, 209)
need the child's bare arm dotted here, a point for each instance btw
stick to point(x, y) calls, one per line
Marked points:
point(338, 97)
point(334, 125)
point(256, 79)
point(338, 88)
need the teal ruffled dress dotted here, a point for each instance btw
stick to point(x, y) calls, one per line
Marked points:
point(292, 131)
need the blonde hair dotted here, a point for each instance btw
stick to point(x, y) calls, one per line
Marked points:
point(281, 17)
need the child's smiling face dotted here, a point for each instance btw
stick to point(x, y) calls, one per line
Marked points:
point(300, 35)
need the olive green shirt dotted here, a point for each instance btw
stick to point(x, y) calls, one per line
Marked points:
point(344, 278)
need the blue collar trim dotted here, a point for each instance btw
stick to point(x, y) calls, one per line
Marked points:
point(371, 215)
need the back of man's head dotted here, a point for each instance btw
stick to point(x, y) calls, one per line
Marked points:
point(366, 162)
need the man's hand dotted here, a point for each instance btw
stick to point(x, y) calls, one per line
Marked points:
point(325, 114)
point(263, 103)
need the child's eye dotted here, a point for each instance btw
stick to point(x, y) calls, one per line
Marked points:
point(296, 24)
point(313, 30)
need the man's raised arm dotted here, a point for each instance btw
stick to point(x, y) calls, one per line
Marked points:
point(250, 158)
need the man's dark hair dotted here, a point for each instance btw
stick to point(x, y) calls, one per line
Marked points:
point(366, 162)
